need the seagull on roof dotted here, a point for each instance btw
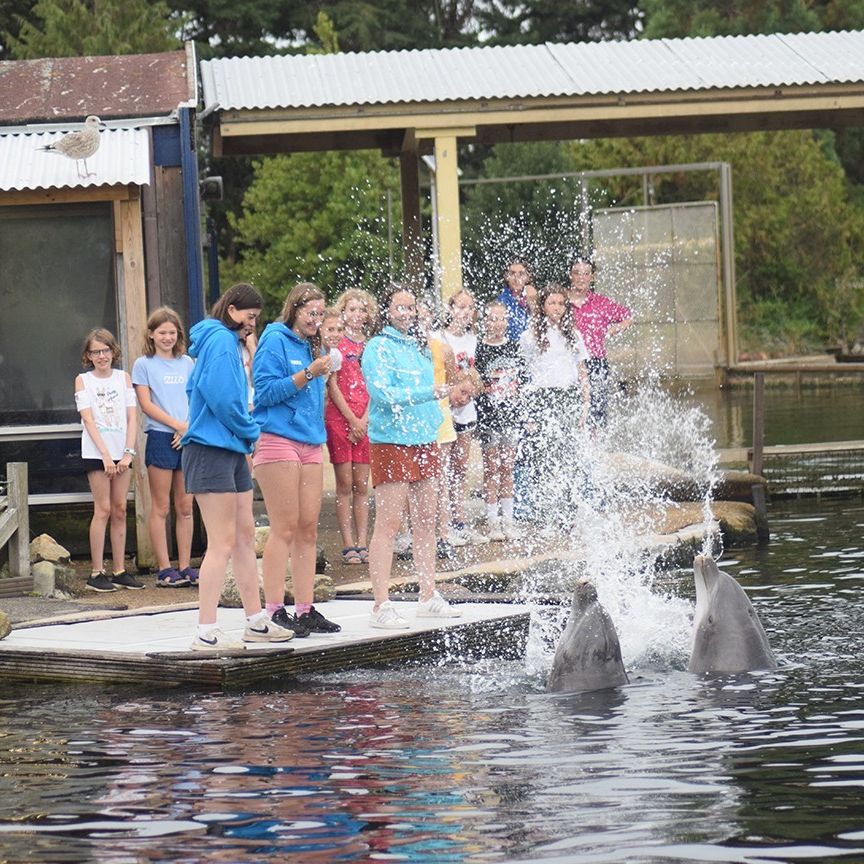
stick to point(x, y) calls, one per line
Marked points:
point(80, 145)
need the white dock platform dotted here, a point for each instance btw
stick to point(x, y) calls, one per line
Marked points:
point(151, 647)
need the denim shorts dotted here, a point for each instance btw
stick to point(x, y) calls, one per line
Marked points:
point(214, 469)
point(159, 453)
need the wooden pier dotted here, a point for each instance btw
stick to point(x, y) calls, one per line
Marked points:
point(149, 648)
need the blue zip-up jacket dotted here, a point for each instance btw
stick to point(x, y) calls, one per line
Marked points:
point(402, 405)
point(218, 410)
point(518, 314)
point(280, 407)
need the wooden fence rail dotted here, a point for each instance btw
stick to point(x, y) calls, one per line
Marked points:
point(15, 530)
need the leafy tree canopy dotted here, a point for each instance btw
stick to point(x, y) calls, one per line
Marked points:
point(81, 28)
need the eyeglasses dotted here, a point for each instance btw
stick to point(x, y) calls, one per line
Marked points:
point(100, 352)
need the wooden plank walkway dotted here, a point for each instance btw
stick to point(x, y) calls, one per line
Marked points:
point(149, 648)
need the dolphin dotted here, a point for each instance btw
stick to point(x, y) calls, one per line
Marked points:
point(588, 656)
point(727, 634)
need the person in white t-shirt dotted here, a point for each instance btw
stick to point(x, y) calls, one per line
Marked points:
point(460, 335)
point(160, 378)
point(556, 401)
point(106, 402)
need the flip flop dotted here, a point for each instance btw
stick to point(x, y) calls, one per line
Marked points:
point(351, 555)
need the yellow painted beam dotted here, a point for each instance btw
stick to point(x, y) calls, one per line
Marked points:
point(447, 211)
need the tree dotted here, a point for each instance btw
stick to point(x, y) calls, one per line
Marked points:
point(81, 28)
point(520, 22)
point(316, 216)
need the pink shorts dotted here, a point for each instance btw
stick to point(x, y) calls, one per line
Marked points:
point(340, 447)
point(275, 448)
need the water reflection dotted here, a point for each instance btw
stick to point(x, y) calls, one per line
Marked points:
point(473, 762)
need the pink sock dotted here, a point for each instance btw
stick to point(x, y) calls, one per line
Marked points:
point(302, 608)
point(272, 608)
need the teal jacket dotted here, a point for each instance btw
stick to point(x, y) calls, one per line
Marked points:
point(217, 390)
point(402, 405)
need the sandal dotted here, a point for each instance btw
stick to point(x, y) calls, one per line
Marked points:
point(190, 574)
point(351, 555)
point(363, 552)
point(170, 578)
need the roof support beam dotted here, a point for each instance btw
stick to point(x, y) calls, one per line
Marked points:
point(447, 212)
point(412, 229)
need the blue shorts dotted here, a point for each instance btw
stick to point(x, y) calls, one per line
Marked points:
point(159, 453)
point(214, 469)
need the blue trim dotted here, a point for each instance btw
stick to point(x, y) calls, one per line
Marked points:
point(191, 217)
point(166, 146)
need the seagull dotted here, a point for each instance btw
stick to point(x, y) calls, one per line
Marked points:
point(79, 145)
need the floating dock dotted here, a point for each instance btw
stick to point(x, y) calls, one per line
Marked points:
point(150, 647)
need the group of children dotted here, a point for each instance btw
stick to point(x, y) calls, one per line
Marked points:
point(523, 390)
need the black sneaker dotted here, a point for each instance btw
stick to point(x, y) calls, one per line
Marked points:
point(124, 580)
point(291, 622)
point(100, 582)
point(318, 623)
point(443, 549)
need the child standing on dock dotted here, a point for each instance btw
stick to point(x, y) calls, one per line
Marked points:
point(220, 436)
point(106, 402)
point(499, 364)
point(347, 418)
point(160, 378)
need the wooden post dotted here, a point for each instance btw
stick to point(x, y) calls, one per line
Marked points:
point(19, 542)
point(758, 422)
point(127, 216)
point(412, 234)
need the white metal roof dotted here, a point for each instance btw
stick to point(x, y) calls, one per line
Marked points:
point(123, 157)
point(592, 68)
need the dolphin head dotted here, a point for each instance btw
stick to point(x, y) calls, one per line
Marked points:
point(727, 633)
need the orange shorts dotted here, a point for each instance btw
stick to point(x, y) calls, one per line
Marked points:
point(403, 463)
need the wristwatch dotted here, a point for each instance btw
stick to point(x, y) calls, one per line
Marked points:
point(130, 451)
point(308, 374)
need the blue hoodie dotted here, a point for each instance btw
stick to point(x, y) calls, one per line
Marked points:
point(280, 407)
point(218, 410)
point(399, 377)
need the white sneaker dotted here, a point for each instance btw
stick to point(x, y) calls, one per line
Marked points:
point(267, 631)
point(457, 538)
point(388, 618)
point(437, 607)
point(216, 641)
point(475, 537)
point(494, 532)
point(512, 531)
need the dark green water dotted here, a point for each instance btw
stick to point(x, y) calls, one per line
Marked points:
point(476, 763)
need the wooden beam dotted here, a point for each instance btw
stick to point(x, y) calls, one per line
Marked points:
point(447, 212)
point(412, 232)
point(127, 215)
point(64, 196)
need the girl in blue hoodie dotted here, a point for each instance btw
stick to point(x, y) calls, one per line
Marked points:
point(289, 375)
point(220, 435)
point(403, 430)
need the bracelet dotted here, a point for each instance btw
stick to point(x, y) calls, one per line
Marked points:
point(130, 451)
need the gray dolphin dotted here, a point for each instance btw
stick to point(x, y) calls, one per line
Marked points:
point(727, 634)
point(588, 656)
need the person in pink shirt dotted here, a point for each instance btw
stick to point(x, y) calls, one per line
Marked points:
point(595, 317)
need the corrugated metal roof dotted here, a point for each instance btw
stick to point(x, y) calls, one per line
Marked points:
point(70, 88)
point(123, 157)
point(511, 72)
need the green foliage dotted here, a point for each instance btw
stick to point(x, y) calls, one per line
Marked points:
point(316, 216)
point(82, 28)
point(532, 22)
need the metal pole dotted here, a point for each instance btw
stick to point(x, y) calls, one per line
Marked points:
point(728, 252)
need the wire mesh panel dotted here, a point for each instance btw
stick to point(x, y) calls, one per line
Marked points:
point(663, 263)
point(801, 471)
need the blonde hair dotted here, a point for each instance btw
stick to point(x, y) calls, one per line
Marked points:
point(452, 300)
point(158, 317)
point(360, 296)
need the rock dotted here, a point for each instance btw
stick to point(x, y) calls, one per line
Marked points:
point(44, 580)
point(230, 597)
point(649, 477)
point(737, 486)
point(324, 588)
point(5, 625)
point(46, 548)
point(262, 532)
point(739, 522)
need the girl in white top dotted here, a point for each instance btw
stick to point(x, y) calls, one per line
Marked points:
point(556, 402)
point(106, 402)
point(460, 335)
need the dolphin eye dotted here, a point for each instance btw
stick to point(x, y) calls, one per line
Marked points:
point(710, 619)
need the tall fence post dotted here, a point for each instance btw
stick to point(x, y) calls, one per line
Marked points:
point(758, 489)
point(19, 542)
